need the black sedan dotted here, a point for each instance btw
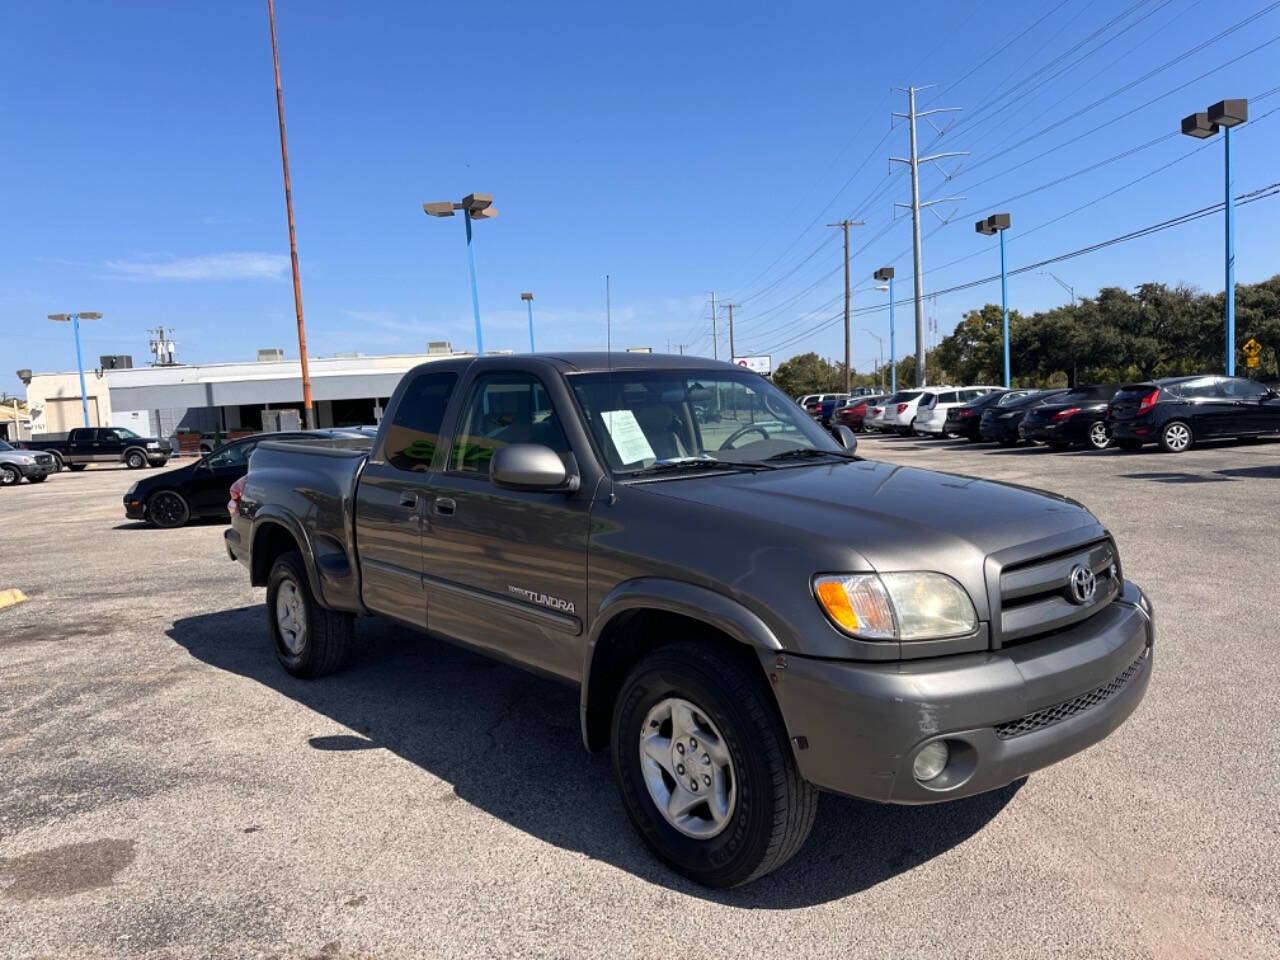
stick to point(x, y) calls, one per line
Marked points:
point(1177, 412)
point(1000, 421)
point(199, 489)
point(1076, 418)
point(965, 419)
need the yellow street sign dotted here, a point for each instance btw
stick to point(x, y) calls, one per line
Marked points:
point(1251, 361)
point(1251, 348)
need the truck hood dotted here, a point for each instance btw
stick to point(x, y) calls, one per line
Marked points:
point(895, 517)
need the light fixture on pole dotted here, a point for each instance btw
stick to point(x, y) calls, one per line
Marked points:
point(474, 206)
point(528, 300)
point(1225, 114)
point(74, 320)
point(879, 347)
point(886, 274)
point(999, 223)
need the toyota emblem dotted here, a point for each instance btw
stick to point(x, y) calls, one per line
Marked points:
point(1083, 584)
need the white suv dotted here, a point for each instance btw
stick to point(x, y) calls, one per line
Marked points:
point(900, 409)
point(931, 410)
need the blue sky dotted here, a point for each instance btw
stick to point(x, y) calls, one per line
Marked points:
point(680, 148)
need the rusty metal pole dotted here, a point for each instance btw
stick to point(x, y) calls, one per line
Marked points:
point(308, 413)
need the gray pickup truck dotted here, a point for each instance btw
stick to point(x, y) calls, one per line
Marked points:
point(751, 612)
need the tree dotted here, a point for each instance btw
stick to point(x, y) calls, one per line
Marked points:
point(808, 373)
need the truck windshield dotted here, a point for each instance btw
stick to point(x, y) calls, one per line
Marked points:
point(642, 419)
point(124, 433)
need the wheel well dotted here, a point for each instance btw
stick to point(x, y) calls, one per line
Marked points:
point(627, 638)
point(269, 543)
point(141, 450)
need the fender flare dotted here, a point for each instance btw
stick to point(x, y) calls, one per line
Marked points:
point(124, 457)
point(699, 603)
point(275, 516)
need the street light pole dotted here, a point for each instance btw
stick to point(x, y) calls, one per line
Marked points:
point(886, 274)
point(74, 319)
point(1225, 114)
point(528, 299)
point(474, 206)
point(999, 223)
point(880, 349)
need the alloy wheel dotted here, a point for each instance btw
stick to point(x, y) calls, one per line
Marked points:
point(1098, 438)
point(8, 476)
point(291, 617)
point(687, 768)
point(167, 509)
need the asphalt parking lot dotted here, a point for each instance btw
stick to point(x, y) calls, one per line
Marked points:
point(168, 791)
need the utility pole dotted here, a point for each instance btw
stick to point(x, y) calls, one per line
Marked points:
point(911, 116)
point(732, 349)
point(715, 338)
point(844, 225)
point(309, 420)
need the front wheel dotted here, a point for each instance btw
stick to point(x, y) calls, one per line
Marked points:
point(9, 476)
point(1099, 438)
point(1176, 437)
point(705, 769)
point(309, 640)
point(168, 509)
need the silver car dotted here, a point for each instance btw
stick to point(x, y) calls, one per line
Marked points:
point(16, 464)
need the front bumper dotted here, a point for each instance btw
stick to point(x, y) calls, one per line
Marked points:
point(856, 728)
point(30, 470)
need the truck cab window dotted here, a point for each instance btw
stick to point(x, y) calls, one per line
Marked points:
point(414, 433)
point(502, 409)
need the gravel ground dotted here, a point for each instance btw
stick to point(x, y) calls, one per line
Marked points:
point(167, 791)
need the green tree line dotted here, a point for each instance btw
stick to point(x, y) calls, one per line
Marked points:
point(1118, 335)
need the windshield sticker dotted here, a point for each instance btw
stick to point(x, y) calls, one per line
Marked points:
point(631, 443)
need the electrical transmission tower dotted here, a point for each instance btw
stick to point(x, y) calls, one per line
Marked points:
point(912, 115)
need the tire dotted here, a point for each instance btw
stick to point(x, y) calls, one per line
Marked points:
point(322, 638)
point(167, 509)
point(58, 463)
point(9, 475)
point(76, 467)
point(1176, 437)
point(769, 808)
point(39, 479)
point(1131, 446)
point(135, 459)
point(1098, 437)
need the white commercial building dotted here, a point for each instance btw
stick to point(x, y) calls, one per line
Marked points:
point(217, 398)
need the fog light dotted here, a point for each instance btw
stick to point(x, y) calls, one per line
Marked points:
point(931, 761)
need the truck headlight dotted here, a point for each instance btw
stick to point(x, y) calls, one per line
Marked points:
point(154, 445)
point(896, 606)
point(28, 459)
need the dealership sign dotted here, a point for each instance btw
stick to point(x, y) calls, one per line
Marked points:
point(760, 365)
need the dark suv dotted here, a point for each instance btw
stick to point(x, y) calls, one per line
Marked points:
point(1177, 412)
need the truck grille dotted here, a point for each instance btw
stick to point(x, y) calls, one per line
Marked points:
point(1036, 597)
point(44, 459)
point(1073, 707)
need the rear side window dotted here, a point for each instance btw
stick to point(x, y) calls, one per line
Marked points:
point(414, 432)
point(1202, 389)
point(1241, 389)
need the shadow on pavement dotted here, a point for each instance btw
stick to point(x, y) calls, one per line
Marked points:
point(509, 743)
point(1268, 472)
point(1178, 477)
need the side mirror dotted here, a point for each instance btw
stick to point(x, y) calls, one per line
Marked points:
point(845, 437)
point(530, 466)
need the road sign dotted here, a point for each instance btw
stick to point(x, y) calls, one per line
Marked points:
point(1251, 349)
point(1251, 360)
point(760, 365)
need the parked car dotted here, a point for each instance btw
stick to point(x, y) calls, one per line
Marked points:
point(804, 400)
point(815, 404)
point(200, 489)
point(751, 614)
point(16, 464)
point(965, 419)
point(828, 408)
point(900, 409)
point(873, 422)
point(854, 413)
point(932, 410)
point(1178, 412)
point(86, 445)
point(1000, 421)
point(1075, 418)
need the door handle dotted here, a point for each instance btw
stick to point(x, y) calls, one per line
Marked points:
point(443, 507)
point(409, 498)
